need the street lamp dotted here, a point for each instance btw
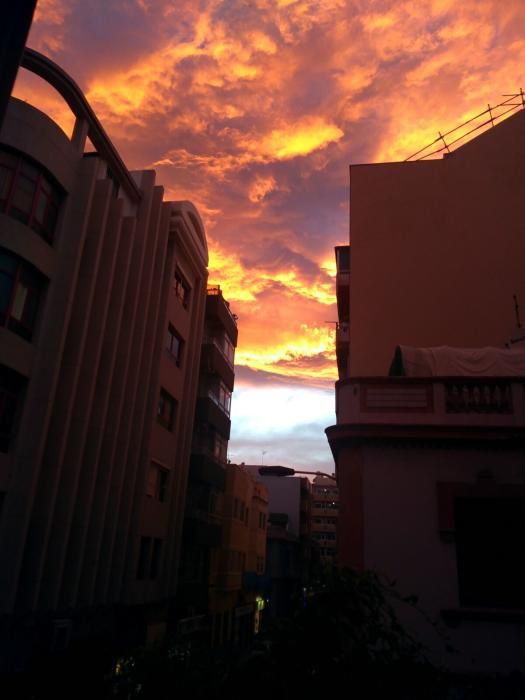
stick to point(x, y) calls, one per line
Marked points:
point(288, 471)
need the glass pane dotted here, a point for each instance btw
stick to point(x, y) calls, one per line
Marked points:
point(19, 302)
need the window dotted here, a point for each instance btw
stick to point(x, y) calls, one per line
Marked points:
point(343, 258)
point(155, 559)
point(166, 409)
point(220, 447)
point(157, 484)
point(149, 558)
point(21, 288)
point(11, 389)
point(226, 347)
point(182, 288)
point(490, 541)
point(222, 397)
point(144, 557)
point(28, 194)
point(175, 345)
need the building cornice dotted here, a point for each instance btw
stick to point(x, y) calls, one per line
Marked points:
point(55, 76)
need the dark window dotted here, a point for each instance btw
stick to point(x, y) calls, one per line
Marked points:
point(175, 345)
point(157, 485)
point(490, 541)
point(343, 258)
point(166, 409)
point(144, 557)
point(182, 288)
point(11, 389)
point(28, 194)
point(155, 558)
point(220, 447)
point(21, 288)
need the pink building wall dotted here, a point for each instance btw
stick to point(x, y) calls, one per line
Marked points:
point(437, 249)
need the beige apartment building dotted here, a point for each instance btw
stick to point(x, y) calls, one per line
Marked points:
point(429, 444)
point(101, 315)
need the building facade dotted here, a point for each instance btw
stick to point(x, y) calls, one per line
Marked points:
point(225, 521)
point(325, 512)
point(292, 552)
point(429, 467)
point(96, 408)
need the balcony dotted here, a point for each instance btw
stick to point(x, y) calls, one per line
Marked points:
point(454, 403)
point(209, 412)
point(201, 528)
point(214, 362)
point(218, 312)
point(206, 470)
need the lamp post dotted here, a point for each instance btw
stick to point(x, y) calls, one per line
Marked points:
point(288, 471)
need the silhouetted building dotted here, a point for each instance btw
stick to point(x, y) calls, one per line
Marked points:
point(291, 551)
point(429, 464)
point(325, 511)
point(225, 522)
point(103, 289)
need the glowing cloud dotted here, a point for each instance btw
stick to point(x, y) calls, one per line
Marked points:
point(299, 139)
point(254, 111)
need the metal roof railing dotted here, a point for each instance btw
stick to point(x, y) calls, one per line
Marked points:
point(489, 116)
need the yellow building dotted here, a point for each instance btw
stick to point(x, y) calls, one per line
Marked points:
point(240, 561)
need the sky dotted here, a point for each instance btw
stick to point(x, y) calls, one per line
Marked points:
point(254, 110)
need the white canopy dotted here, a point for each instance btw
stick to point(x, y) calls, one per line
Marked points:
point(446, 361)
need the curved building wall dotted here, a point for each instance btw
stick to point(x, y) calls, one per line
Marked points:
point(75, 480)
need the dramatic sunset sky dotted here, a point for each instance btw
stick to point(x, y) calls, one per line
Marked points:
point(253, 110)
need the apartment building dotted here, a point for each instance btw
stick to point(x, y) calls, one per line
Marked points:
point(429, 444)
point(325, 511)
point(101, 315)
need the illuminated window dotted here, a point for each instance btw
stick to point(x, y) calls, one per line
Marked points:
point(28, 194)
point(21, 288)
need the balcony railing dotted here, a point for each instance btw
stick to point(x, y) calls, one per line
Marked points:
point(460, 401)
point(216, 291)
